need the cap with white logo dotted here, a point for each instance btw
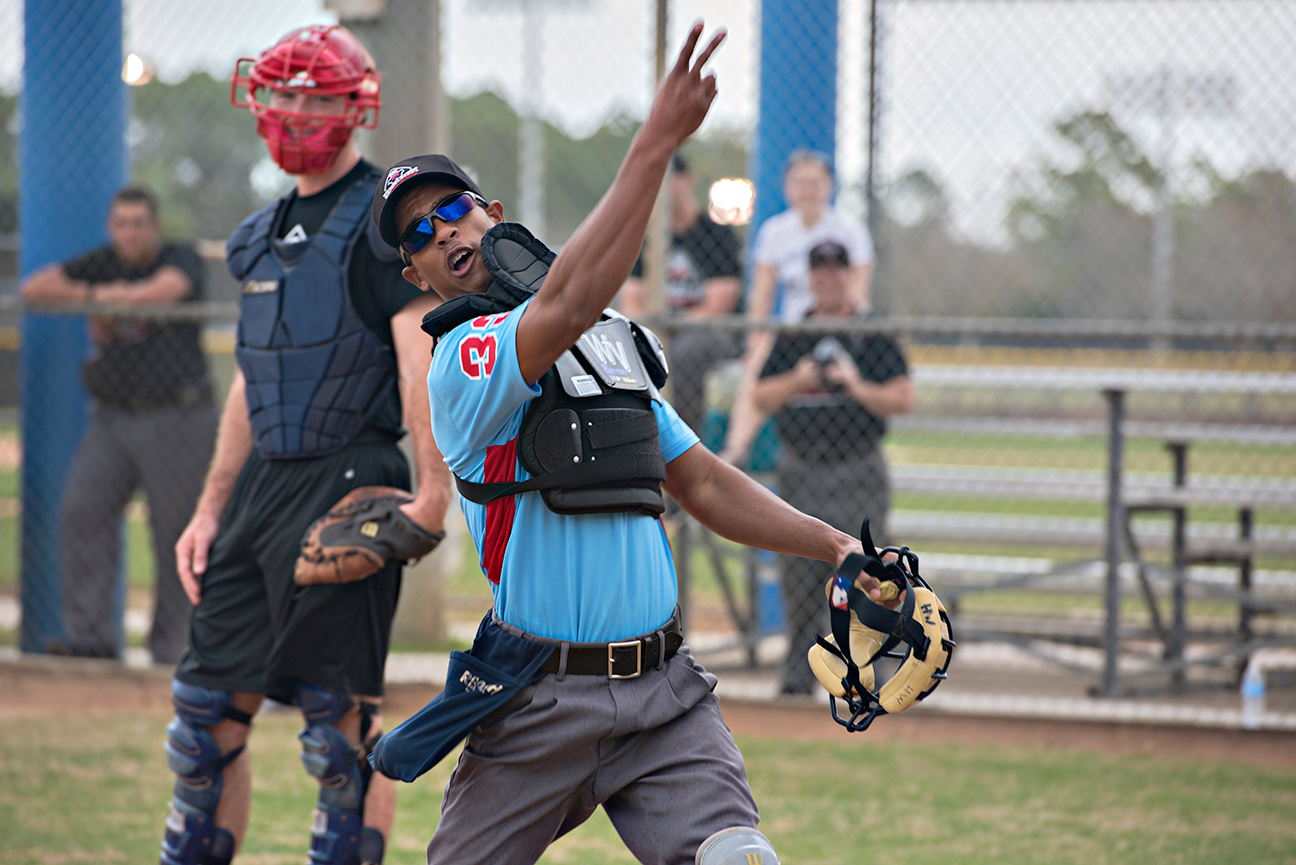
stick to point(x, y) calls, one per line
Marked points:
point(408, 174)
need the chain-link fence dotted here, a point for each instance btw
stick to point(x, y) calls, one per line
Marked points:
point(1051, 221)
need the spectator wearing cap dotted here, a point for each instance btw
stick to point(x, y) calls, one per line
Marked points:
point(831, 394)
point(780, 286)
point(703, 280)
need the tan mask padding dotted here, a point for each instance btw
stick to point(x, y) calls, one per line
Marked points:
point(912, 680)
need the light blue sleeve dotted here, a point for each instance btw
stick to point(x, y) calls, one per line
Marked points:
point(673, 435)
point(476, 387)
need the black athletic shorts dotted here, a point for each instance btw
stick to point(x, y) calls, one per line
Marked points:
point(255, 629)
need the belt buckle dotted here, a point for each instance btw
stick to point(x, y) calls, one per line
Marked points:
point(638, 647)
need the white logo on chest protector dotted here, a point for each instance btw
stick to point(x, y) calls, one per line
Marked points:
point(610, 352)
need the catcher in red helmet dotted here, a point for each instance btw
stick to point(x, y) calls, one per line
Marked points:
point(331, 369)
point(307, 92)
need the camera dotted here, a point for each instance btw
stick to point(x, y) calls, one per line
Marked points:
point(829, 350)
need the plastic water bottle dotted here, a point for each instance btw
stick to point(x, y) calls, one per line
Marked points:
point(1253, 697)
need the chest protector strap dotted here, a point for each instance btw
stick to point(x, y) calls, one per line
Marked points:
point(589, 440)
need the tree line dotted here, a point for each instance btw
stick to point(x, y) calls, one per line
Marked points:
point(1079, 225)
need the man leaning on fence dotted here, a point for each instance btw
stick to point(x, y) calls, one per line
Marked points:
point(831, 393)
point(152, 425)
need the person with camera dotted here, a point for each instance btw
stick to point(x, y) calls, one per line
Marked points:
point(831, 394)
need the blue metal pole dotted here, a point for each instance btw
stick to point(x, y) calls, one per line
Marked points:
point(72, 158)
point(798, 92)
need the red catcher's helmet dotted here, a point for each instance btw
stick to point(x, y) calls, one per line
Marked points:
point(323, 59)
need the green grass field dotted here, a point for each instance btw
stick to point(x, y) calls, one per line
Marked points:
point(83, 789)
point(94, 789)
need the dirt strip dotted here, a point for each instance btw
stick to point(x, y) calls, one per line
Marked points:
point(43, 686)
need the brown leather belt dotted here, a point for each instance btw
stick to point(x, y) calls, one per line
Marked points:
point(623, 659)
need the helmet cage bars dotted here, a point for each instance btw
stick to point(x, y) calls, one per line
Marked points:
point(906, 641)
point(323, 60)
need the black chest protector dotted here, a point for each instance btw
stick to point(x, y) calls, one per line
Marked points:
point(589, 440)
point(315, 372)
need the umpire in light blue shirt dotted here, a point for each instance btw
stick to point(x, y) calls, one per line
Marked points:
point(548, 412)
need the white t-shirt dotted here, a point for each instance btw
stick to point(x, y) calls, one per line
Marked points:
point(784, 242)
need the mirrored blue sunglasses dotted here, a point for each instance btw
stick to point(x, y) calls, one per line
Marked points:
point(449, 209)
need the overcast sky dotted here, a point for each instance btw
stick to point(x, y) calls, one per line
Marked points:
point(970, 88)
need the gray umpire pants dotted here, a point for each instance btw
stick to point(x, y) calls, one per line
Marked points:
point(164, 451)
point(841, 494)
point(653, 751)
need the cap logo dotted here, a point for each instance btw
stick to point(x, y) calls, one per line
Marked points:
point(397, 176)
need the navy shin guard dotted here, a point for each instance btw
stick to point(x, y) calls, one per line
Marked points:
point(338, 836)
point(192, 836)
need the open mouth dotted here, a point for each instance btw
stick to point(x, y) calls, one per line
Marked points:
point(460, 260)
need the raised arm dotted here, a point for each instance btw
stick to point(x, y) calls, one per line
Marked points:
point(597, 259)
point(631, 298)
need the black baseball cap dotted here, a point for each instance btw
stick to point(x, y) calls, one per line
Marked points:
point(406, 175)
point(829, 253)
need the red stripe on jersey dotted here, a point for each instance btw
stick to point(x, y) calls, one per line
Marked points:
point(501, 461)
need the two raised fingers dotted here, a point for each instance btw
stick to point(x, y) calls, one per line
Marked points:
point(682, 64)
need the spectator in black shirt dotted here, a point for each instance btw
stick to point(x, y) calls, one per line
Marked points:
point(152, 425)
point(831, 394)
point(703, 280)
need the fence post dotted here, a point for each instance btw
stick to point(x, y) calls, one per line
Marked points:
point(406, 43)
point(1179, 570)
point(72, 158)
point(1115, 521)
point(798, 92)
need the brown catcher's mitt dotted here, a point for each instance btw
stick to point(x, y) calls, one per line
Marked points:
point(359, 535)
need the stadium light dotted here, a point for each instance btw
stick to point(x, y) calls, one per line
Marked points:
point(731, 200)
point(136, 71)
